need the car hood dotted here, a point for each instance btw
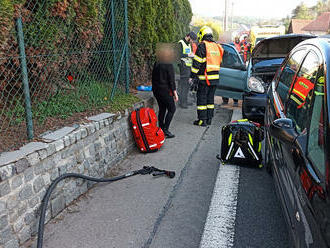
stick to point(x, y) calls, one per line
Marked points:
point(278, 46)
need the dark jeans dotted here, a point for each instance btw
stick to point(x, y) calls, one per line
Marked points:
point(183, 87)
point(166, 109)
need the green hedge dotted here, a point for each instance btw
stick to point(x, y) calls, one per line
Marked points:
point(53, 31)
point(150, 22)
point(60, 26)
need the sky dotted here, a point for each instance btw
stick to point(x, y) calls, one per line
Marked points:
point(256, 8)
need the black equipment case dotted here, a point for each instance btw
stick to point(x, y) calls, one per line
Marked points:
point(241, 143)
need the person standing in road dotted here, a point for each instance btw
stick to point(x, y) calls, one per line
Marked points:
point(245, 49)
point(237, 44)
point(164, 88)
point(186, 55)
point(206, 67)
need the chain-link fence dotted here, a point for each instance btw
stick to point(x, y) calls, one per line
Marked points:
point(59, 57)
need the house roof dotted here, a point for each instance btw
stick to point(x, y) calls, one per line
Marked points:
point(297, 25)
point(322, 23)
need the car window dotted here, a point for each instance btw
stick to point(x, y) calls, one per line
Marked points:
point(302, 91)
point(230, 58)
point(288, 72)
point(316, 142)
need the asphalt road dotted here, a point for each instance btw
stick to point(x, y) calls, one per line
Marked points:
point(259, 218)
point(158, 212)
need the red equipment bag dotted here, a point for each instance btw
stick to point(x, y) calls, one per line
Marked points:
point(147, 135)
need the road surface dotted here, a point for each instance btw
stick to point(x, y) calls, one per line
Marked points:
point(201, 207)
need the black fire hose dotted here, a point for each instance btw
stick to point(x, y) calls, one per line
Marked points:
point(146, 170)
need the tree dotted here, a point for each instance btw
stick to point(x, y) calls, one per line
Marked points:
point(215, 25)
point(286, 23)
point(302, 12)
point(320, 7)
point(150, 22)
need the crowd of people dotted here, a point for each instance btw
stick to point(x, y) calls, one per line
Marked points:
point(243, 47)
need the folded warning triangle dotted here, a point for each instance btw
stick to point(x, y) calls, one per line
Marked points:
point(239, 153)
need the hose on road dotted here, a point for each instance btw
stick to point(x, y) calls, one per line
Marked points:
point(144, 171)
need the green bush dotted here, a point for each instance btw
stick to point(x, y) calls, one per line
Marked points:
point(152, 21)
point(55, 29)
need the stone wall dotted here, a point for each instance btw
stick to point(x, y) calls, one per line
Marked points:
point(91, 149)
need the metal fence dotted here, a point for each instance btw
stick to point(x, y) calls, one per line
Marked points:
point(58, 57)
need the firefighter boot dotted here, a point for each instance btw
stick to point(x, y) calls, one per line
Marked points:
point(201, 123)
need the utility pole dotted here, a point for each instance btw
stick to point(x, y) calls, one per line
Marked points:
point(225, 22)
point(232, 15)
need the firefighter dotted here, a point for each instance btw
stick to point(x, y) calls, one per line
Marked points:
point(206, 67)
point(186, 55)
point(237, 44)
point(301, 90)
point(245, 47)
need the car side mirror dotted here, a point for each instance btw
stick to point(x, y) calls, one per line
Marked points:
point(243, 67)
point(284, 130)
point(239, 66)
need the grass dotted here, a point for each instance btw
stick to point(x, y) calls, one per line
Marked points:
point(85, 97)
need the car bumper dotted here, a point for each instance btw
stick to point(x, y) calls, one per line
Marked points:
point(254, 105)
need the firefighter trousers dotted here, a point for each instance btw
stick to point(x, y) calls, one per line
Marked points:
point(205, 101)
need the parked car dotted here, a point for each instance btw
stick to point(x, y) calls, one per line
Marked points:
point(251, 83)
point(297, 141)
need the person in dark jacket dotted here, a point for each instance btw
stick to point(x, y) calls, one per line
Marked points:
point(164, 88)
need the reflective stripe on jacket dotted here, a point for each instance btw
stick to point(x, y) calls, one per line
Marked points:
point(206, 63)
point(214, 54)
point(301, 89)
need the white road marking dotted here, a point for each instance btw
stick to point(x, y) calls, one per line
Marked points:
point(219, 229)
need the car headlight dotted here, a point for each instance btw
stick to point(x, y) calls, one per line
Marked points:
point(256, 85)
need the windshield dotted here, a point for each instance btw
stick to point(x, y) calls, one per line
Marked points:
point(268, 62)
point(267, 65)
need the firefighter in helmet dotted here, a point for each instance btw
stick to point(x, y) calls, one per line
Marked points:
point(206, 67)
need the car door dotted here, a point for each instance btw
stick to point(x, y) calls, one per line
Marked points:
point(311, 183)
point(282, 169)
point(233, 74)
point(299, 108)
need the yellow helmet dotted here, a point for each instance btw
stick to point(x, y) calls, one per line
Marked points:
point(205, 30)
